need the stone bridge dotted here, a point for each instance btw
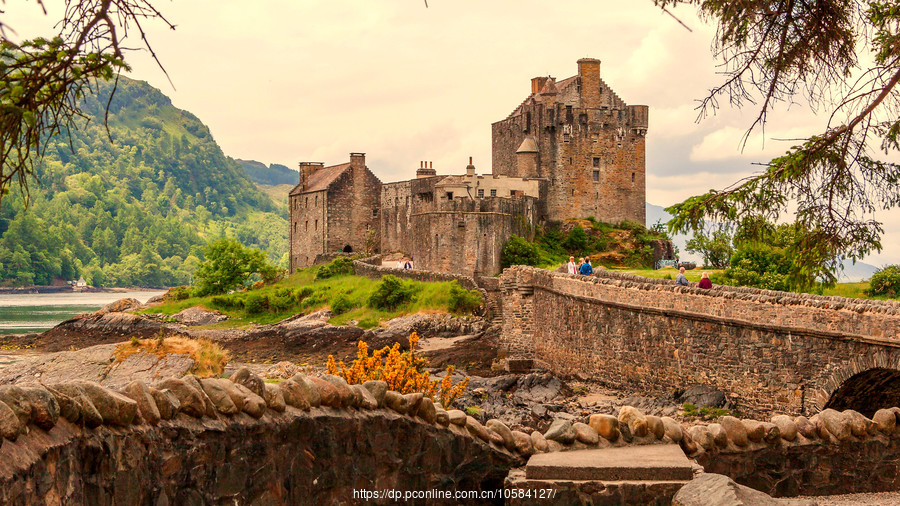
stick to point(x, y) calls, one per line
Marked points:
point(769, 351)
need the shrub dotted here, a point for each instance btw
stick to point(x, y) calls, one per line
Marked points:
point(256, 303)
point(179, 293)
point(462, 300)
point(209, 358)
point(227, 301)
point(577, 240)
point(403, 372)
point(885, 282)
point(340, 266)
point(303, 293)
point(391, 293)
point(518, 251)
point(281, 303)
point(340, 304)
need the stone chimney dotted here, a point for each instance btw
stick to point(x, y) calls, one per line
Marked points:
point(357, 160)
point(425, 170)
point(537, 84)
point(589, 75)
point(470, 169)
point(306, 170)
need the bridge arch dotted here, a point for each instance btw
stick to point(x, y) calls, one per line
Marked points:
point(865, 384)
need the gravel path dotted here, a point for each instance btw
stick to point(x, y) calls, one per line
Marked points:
point(880, 498)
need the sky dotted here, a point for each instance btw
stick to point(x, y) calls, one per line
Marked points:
point(312, 80)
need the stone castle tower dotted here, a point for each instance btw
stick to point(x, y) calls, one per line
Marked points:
point(580, 136)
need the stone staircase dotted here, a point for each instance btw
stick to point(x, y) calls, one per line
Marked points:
point(650, 474)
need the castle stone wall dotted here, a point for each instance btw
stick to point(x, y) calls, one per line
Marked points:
point(308, 222)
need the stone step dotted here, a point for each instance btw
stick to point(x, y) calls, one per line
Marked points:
point(628, 463)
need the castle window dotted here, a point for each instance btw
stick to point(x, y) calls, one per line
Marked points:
point(317, 224)
point(449, 195)
point(481, 193)
point(375, 212)
point(493, 193)
point(306, 226)
point(307, 202)
point(569, 116)
point(597, 176)
point(527, 122)
point(461, 224)
point(596, 162)
point(632, 177)
point(317, 201)
point(295, 227)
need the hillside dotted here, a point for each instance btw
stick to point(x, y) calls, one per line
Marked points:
point(273, 175)
point(135, 211)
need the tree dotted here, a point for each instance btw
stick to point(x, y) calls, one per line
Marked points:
point(518, 251)
point(715, 248)
point(43, 80)
point(775, 51)
point(228, 265)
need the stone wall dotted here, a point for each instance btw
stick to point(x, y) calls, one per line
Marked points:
point(771, 351)
point(354, 202)
point(308, 221)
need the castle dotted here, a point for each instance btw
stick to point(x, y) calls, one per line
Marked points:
point(572, 149)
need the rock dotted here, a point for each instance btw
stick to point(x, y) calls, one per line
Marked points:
point(426, 410)
point(244, 376)
point(254, 405)
point(412, 402)
point(805, 428)
point(89, 414)
point(673, 429)
point(328, 393)
point(274, 397)
point(218, 394)
point(539, 442)
point(198, 316)
point(755, 430)
point(121, 305)
point(701, 435)
point(313, 395)
point(146, 366)
point(585, 434)
point(115, 408)
point(497, 439)
point(720, 437)
point(476, 429)
point(561, 431)
point(10, 425)
point(400, 404)
point(209, 407)
point(166, 402)
point(15, 399)
point(605, 425)
point(523, 444)
point(188, 397)
point(348, 398)
point(377, 388)
point(736, 430)
point(506, 436)
point(635, 420)
point(441, 417)
point(44, 408)
point(786, 426)
point(771, 433)
point(885, 420)
point(70, 407)
point(708, 489)
point(282, 370)
point(295, 395)
point(687, 444)
point(859, 424)
point(140, 393)
point(367, 400)
point(655, 426)
point(457, 417)
point(836, 423)
point(702, 396)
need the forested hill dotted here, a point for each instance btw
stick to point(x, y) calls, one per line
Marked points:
point(135, 211)
point(272, 175)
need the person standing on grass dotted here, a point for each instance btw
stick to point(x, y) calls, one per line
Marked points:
point(705, 282)
point(571, 268)
point(681, 280)
point(586, 269)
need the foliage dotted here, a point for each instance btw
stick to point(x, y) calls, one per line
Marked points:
point(577, 241)
point(833, 182)
point(716, 248)
point(706, 413)
point(885, 282)
point(391, 293)
point(462, 300)
point(518, 251)
point(403, 372)
point(178, 293)
point(228, 265)
point(274, 174)
point(255, 303)
point(209, 358)
point(341, 304)
point(474, 411)
point(340, 266)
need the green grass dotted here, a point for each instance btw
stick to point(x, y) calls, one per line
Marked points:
point(430, 297)
point(692, 275)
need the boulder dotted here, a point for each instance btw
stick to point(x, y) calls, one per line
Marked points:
point(885, 420)
point(561, 431)
point(523, 444)
point(189, 398)
point(457, 417)
point(218, 394)
point(736, 430)
point(400, 404)
point(412, 402)
point(193, 316)
point(295, 395)
point(89, 414)
point(121, 305)
point(274, 398)
point(702, 396)
point(311, 391)
point(655, 426)
point(635, 420)
point(701, 435)
point(377, 388)
point(673, 429)
point(115, 408)
point(328, 393)
point(859, 424)
point(805, 428)
point(539, 442)
point(10, 425)
point(718, 434)
point(244, 376)
point(44, 408)
point(367, 400)
point(441, 417)
point(140, 393)
point(166, 402)
point(209, 407)
point(709, 488)
point(786, 426)
point(426, 410)
point(348, 398)
point(506, 436)
point(837, 423)
point(497, 439)
point(254, 405)
point(70, 407)
point(585, 434)
point(15, 399)
point(477, 430)
point(771, 433)
point(605, 425)
point(755, 430)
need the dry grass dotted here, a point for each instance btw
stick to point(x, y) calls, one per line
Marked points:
point(209, 358)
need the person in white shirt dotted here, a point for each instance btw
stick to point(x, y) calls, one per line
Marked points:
point(571, 268)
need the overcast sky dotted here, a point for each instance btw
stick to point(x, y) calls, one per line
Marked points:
point(286, 81)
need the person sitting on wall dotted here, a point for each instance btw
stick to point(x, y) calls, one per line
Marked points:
point(705, 282)
point(401, 263)
point(571, 268)
point(586, 269)
point(681, 280)
point(408, 264)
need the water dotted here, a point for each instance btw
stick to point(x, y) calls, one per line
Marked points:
point(42, 311)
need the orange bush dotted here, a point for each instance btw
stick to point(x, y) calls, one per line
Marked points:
point(403, 372)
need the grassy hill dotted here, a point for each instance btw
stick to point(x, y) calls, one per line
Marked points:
point(273, 175)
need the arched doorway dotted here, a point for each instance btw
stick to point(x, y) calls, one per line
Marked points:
point(867, 391)
point(348, 249)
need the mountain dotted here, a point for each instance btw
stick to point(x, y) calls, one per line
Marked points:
point(134, 206)
point(852, 273)
point(272, 175)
